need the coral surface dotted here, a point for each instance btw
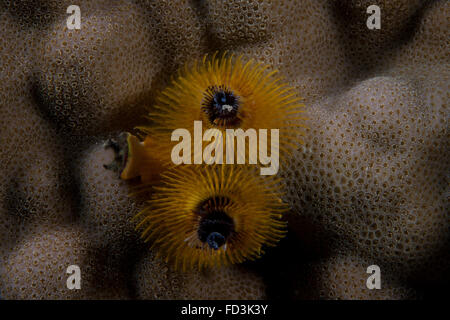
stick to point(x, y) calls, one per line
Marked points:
point(370, 186)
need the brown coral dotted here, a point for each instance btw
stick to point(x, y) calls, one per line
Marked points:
point(370, 186)
point(155, 279)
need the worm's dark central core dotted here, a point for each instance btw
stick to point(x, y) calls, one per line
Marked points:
point(221, 106)
point(215, 225)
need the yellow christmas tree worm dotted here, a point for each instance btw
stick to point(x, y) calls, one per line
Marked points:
point(224, 93)
point(203, 216)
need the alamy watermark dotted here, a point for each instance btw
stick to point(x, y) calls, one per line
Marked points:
point(74, 280)
point(235, 147)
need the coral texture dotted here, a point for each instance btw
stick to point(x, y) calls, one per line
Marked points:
point(369, 186)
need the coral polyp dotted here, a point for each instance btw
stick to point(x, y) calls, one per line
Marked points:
point(225, 215)
point(225, 93)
